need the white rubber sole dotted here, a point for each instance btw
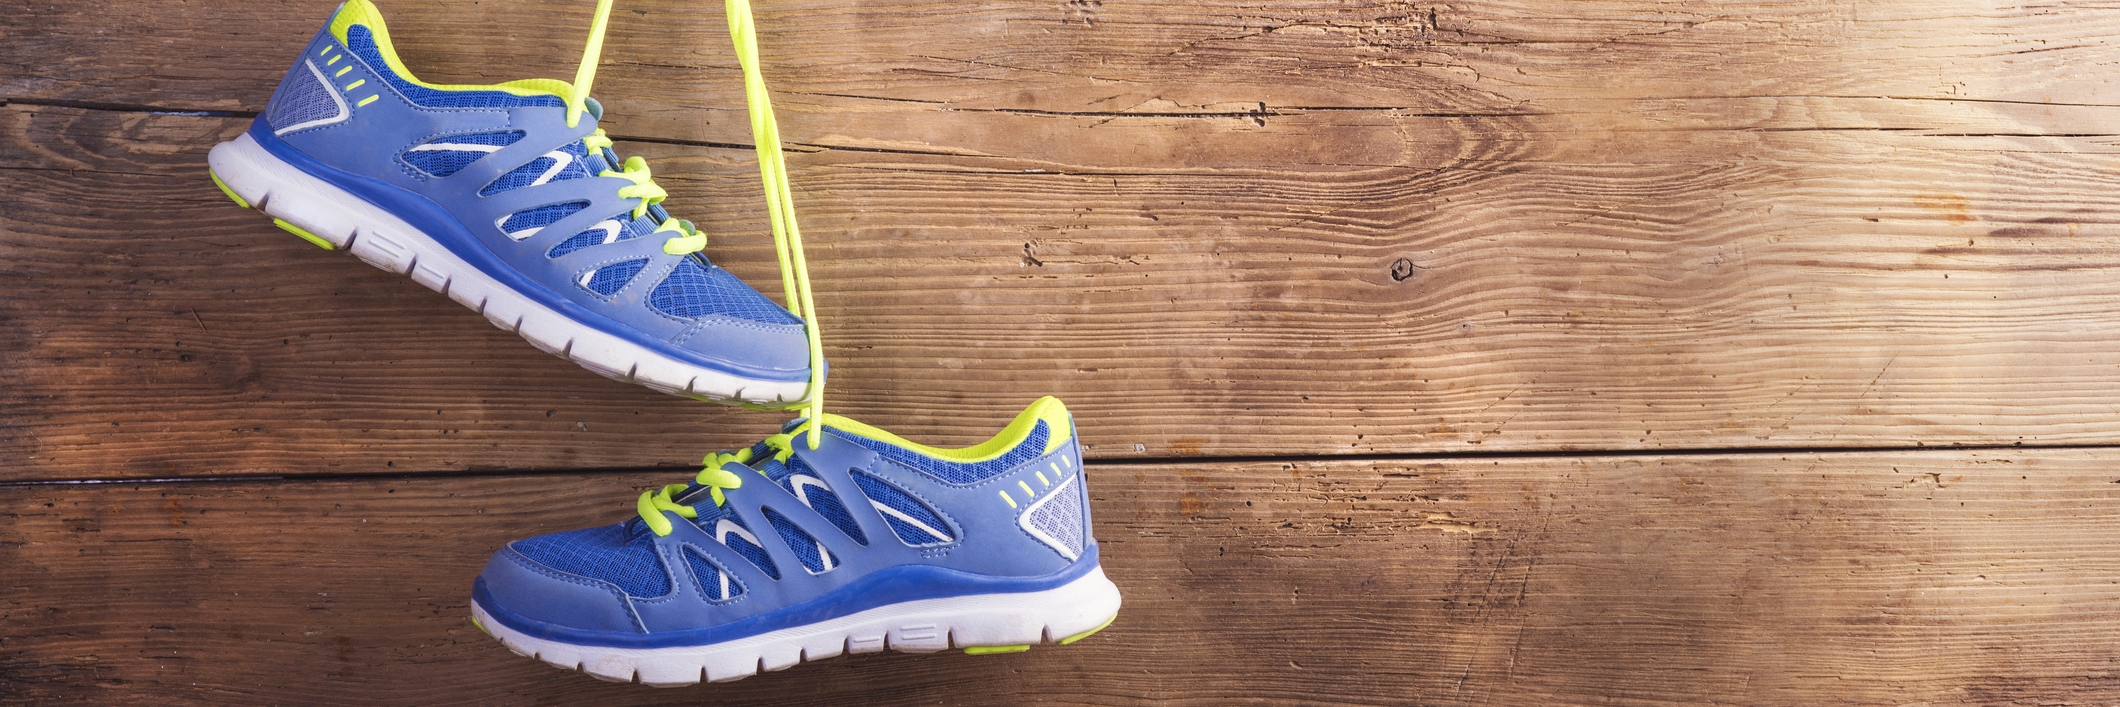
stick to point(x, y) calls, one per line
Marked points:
point(332, 218)
point(1000, 623)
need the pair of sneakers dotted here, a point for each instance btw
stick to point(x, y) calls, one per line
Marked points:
point(829, 537)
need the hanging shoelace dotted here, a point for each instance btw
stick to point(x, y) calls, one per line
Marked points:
point(772, 170)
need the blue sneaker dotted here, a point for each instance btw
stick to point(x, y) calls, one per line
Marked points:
point(783, 553)
point(509, 199)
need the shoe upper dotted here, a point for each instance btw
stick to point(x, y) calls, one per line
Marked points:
point(496, 175)
point(866, 519)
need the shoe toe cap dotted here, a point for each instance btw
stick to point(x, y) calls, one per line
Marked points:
point(776, 350)
point(519, 590)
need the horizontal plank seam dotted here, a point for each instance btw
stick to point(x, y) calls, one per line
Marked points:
point(1121, 461)
point(126, 108)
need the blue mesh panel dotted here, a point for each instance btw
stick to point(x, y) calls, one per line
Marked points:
point(1061, 518)
point(695, 290)
point(634, 228)
point(757, 555)
point(827, 504)
point(609, 553)
point(911, 534)
point(442, 163)
point(822, 500)
point(710, 577)
point(301, 99)
point(608, 279)
point(804, 545)
point(958, 472)
point(883, 492)
point(542, 216)
point(628, 230)
point(522, 177)
point(361, 41)
point(576, 168)
point(579, 241)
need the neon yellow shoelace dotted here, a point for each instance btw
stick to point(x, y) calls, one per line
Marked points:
point(772, 170)
point(714, 477)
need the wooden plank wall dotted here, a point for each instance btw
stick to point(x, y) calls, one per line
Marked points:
point(1606, 352)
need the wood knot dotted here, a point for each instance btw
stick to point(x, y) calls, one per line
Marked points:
point(1403, 269)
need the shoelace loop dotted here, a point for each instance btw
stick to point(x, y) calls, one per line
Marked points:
point(643, 188)
point(787, 242)
point(715, 476)
point(772, 170)
point(689, 239)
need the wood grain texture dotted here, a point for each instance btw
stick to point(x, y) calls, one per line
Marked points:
point(1821, 579)
point(1309, 228)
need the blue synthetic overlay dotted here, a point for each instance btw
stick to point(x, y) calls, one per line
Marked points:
point(709, 577)
point(883, 492)
point(301, 100)
point(609, 553)
point(541, 217)
point(802, 543)
point(881, 588)
point(695, 290)
point(608, 279)
point(960, 472)
point(756, 554)
point(760, 361)
point(362, 42)
point(990, 552)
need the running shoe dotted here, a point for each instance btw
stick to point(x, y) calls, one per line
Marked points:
point(510, 199)
point(807, 546)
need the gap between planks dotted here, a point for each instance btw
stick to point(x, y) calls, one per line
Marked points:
point(1123, 461)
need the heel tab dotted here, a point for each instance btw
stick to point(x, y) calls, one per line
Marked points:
point(360, 12)
point(1059, 425)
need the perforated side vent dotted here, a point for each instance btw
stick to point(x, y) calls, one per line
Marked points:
point(305, 100)
point(527, 222)
point(732, 532)
point(814, 556)
point(1056, 519)
point(814, 493)
point(605, 231)
point(713, 583)
point(449, 155)
point(913, 521)
point(611, 278)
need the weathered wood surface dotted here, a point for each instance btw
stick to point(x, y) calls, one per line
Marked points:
point(1818, 579)
point(1295, 230)
point(1619, 227)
